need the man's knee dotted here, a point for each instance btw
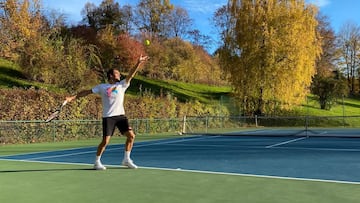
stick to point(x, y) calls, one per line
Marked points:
point(130, 134)
point(105, 141)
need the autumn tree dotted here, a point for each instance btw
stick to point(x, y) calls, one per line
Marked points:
point(325, 64)
point(20, 21)
point(269, 51)
point(153, 15)
point(127, 51)
point(34, 41)
point(180, 60)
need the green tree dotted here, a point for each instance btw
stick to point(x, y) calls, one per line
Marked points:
point(108, 13)
point(270, 50)
point(327, 86)
point(329, 89)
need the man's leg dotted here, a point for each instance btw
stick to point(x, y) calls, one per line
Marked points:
point(100, 150)
point(130, 138)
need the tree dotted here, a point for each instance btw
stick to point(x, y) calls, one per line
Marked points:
point(325, 64)
point(327, 84)
point(153, 15)
point(199, 39)
point(127, 51)
point(20, 21)
point(349, 60)
point(179, 23)
point(128, 19)
point(329, 89)
point(269, 51)
point(107, 14)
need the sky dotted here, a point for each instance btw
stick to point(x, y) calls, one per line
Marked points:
point(339, 12)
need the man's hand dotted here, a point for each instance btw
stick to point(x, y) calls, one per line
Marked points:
point(135, 69)
point(69, 99)
point(143, 59)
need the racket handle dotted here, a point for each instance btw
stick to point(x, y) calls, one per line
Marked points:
point(64, 103)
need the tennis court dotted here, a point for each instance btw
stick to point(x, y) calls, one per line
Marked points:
point(310, 155)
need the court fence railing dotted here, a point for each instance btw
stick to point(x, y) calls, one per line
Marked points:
point(62, 130)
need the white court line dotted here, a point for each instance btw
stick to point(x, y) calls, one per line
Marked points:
point(320, 149)
point(175, 141)
point(203, 172)
point(287, 142)
point(140, 144)
point(87, 147)
point(255, 176)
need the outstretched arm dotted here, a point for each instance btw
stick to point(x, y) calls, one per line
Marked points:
point(136, 68)
point(78, 95)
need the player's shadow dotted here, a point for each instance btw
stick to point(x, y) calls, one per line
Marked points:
point(44, 170)
point(50, 170)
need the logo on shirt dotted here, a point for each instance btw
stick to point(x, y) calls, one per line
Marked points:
point(111, 90)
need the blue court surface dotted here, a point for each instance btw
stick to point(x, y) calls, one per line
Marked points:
point(307, 158)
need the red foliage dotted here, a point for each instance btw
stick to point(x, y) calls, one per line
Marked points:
point(128, 50)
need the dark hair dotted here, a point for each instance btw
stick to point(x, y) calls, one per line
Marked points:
point(110, 73)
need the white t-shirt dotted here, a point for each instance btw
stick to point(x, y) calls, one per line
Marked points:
point(112, 96)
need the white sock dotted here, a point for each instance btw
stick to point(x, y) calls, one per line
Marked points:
point(97, 159)
point(127, 155)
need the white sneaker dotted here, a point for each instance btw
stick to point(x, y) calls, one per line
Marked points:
point(99, 166)
point(129, 164)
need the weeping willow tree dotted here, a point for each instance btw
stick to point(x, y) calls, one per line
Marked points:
point(269, 50)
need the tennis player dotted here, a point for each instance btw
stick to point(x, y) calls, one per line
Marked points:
point(112, 95)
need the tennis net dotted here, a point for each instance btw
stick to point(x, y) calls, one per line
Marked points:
point(339, 126)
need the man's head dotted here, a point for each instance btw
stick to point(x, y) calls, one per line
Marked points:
point(113, 75)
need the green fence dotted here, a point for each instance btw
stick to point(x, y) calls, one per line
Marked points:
point(62, 130)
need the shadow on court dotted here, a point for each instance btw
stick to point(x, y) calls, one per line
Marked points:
point(45, 170)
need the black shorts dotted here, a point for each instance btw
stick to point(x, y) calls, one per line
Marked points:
point(109, 124)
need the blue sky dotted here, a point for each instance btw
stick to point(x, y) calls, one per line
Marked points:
point(201, 11)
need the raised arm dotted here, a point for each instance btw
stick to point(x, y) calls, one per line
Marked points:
point(78, 95)
point(136, 68)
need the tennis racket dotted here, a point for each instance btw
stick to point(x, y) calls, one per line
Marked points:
point(56, 113)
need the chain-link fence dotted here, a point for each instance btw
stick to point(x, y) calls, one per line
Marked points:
point(61, 130)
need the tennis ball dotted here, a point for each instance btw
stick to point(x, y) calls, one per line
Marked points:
point(147, 42)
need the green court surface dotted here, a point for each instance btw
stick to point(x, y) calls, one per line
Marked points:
point(48, 182)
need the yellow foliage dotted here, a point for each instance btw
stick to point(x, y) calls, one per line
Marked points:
point(273, 49)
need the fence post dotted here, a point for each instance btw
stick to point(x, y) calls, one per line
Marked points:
point(207, 123)
point(184, 125)
point(256, 121)
point(54, 131)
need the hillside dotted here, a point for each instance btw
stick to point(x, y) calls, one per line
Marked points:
point(11, 76)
